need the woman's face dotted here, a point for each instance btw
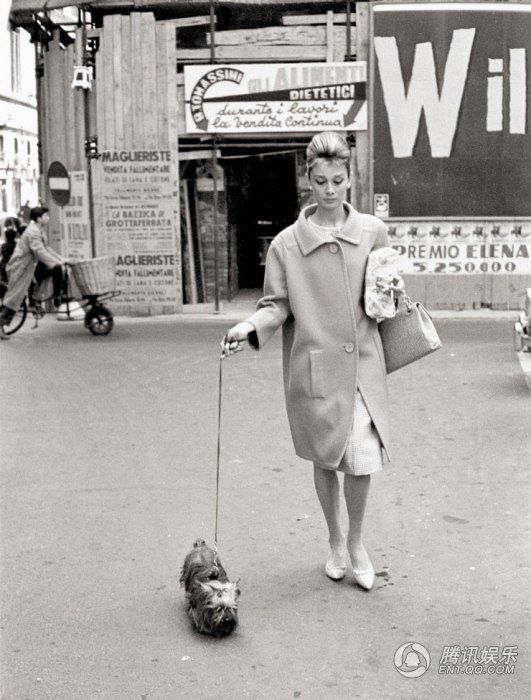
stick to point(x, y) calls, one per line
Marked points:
point(329, 182)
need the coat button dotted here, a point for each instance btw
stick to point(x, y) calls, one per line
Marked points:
point(333, 247)
point(348, 347)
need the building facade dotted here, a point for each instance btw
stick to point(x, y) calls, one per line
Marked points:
point(182, 128)
point(19, 160)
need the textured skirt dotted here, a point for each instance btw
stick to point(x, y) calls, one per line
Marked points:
point(363, 454)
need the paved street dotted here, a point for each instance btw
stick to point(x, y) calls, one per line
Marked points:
point(108, 475)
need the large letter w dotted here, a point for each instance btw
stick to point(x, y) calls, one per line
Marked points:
point(441, 113)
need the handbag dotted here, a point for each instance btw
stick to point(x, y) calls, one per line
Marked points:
point(408, 336)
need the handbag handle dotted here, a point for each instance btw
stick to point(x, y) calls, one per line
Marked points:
point(407, 301)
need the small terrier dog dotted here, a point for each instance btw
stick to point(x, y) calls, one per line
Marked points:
point(212, 599)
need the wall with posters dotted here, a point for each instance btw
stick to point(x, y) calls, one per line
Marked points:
point(140, 227)
point(452, 137)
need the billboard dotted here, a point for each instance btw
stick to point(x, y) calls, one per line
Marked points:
point(275, 97)
point(451, 109)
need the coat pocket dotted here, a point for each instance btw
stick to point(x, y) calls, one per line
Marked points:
point(316, 374)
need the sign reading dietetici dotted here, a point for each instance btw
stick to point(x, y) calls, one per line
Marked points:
point(275, 97)
point(140, 215)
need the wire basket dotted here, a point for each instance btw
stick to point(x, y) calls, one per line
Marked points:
point(95, 276)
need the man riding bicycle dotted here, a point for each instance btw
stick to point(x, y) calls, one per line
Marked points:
point(33, 259)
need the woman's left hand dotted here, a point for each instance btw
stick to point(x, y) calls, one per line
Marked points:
point(396, 284)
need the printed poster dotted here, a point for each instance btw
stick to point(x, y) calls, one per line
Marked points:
point(140, 225)
point(75, 220)
point(462, 247)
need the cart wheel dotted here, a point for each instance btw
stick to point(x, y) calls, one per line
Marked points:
point(99, 320)
point(18, 319)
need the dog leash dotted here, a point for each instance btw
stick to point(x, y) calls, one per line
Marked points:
point(218, 451)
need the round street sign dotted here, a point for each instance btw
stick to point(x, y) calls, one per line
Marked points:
point(59, 183)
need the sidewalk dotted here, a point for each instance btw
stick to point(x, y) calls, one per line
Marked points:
point(244, 303)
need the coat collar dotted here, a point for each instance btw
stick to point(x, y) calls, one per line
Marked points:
point(309, 237)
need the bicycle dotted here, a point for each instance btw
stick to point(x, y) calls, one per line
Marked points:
point(98, 318)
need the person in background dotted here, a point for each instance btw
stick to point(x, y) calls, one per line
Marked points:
point(32, 258)
point(24, 213)
point(12, 231)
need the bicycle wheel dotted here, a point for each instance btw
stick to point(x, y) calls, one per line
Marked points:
point(18, 319)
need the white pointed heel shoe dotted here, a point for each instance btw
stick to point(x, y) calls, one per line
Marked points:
point(334, 571)
point(364, 578)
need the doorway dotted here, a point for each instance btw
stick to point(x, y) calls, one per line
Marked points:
point(262, 199)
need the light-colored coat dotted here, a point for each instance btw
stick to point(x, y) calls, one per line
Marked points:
point(32, 247)
point(313, 288)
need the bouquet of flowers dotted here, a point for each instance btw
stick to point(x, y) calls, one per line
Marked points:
point(382, 282)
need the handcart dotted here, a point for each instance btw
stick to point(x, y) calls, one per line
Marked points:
point(94, 283)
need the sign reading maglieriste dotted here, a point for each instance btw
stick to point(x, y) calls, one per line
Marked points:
point(140, 215)
point(241, 98)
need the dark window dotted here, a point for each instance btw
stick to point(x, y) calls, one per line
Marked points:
point(17, 192)
point(3, 194)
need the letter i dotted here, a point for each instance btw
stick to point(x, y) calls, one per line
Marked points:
point(495, 96)
point(517, 91)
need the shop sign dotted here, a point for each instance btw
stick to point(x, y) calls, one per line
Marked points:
point(452, 129)
point(275, 97)
point(75, 221)
point(140, 224)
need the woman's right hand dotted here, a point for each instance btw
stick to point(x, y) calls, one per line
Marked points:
point(232, 340)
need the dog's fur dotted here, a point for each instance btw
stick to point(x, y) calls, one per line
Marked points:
point(212, 599)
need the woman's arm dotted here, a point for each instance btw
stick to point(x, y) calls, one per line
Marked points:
point(272, 309)
point(382, 237)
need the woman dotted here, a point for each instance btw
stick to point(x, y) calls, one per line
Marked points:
point(334, 369)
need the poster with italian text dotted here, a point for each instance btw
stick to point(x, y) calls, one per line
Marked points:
point(140, 225)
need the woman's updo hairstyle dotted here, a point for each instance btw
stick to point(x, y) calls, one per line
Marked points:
point(328, 146)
